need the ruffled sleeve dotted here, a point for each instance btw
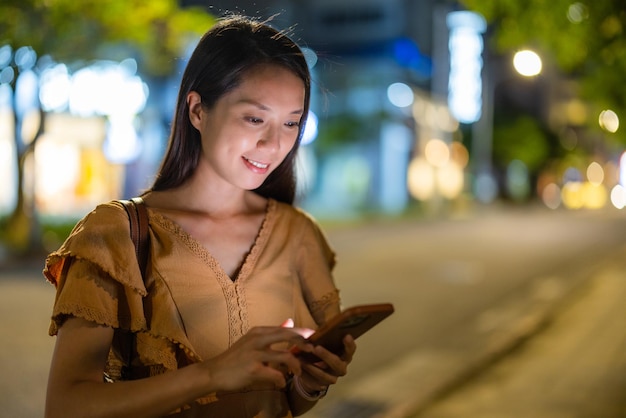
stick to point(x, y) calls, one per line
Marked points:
point(316, 260)
point(96, 272)
point(98, 278)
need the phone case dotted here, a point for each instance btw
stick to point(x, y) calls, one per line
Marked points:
point(355, 321)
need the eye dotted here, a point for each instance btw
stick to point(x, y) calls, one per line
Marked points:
point(254, 120)
point(292, 124)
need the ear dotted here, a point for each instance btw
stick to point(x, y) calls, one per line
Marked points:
point(194, 102)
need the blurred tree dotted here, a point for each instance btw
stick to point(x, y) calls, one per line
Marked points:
point(585, 39)
point(154, 32)
point(520, 139)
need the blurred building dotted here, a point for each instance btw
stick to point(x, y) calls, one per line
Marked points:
point(382, 134)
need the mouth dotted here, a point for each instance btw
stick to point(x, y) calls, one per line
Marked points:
point(256, 165)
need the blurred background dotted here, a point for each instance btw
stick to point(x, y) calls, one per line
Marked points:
point(466, 159)
point(426, 107)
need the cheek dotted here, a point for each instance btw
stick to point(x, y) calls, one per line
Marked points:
point(290, 141)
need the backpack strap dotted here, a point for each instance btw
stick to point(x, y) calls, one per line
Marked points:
point(138, 217)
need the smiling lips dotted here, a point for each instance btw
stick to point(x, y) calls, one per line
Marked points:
point(256, 166)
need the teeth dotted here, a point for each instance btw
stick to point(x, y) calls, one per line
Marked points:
point(256, 163)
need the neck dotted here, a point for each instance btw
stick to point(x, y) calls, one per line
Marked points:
point(191, 197)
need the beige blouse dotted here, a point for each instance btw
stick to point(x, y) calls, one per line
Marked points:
point(188, 309)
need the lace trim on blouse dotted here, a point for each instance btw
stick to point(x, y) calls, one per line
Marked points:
point(233, 290)
point(318, 307)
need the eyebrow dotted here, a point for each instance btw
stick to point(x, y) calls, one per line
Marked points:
point(263, 107)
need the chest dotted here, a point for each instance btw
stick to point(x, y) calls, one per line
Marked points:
point(228, 241)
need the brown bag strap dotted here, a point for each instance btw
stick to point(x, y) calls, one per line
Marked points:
point(138, 217)
point(124, 340)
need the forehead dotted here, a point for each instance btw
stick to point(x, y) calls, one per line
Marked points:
point(269, 83)
point(263, 72)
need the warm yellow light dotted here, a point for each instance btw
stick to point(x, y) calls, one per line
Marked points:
point(459, 154)
point(450, 180)
point(576, 112)
point(594, 196)
point(437, 152)
point(421, 179)
point(609, 121)
point(527, 63)
point(571, 195)
point(58, 168)
point(595, 173)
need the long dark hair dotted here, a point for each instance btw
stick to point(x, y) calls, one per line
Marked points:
point(230, 49)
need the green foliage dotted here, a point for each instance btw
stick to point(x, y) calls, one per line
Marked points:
point(69, 29)
point(521, 139)
point(585, 40)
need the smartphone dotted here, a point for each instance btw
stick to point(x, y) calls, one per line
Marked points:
point(354, 321)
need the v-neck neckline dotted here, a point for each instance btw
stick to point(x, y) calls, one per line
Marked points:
point(204, 254)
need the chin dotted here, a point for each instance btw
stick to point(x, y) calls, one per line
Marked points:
point(253, 186)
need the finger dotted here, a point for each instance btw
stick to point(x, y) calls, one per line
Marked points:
point(288, 323)
point(311, 385)
point(319, 376)
point(331, 359)
point(267, 336)
point(334, 365)
point(349, 346)
point(270, 374)
point(305, 332)
point(282, 360)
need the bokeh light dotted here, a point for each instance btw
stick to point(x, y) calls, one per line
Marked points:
point(595, 173)
point(437, 152)
point(400, 95)
point(577, 12)
point(609, 121)
point(527, 63)
point(310, 129)
point(421, 179)
point(551, 196)
point(465, 81)
point(55, 85)
point(450, 180)
point(618, 196)
point(459, 154)
point(572, 196)
point(594, 196)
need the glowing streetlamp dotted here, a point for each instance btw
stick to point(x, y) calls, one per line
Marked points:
point(527, 63)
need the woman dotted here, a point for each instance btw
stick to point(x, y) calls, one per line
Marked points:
point(231, 258)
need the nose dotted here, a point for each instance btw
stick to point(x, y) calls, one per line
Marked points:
point(270, 140)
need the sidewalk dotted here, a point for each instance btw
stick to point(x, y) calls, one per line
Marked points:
point(26, 349)
point(575, 368)
point(413, 383)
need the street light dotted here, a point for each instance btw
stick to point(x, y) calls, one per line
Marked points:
point(527, 63)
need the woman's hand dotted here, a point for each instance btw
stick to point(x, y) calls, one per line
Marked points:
point(318, 376)
point(253, 359)
point(76, 387)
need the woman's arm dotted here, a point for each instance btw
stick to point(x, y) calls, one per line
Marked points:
point(76, 387)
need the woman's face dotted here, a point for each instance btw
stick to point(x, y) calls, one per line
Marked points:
point(250, 130)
